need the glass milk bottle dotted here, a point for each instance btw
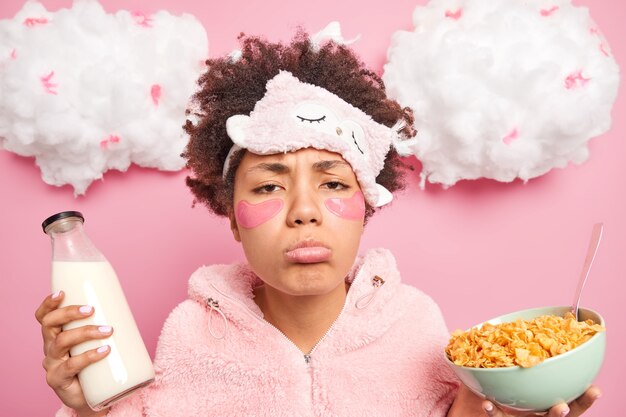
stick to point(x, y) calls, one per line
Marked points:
point(87, 278)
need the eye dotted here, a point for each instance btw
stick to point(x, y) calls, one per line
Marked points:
point(357, 144)
point(336, 185)
point(353, 133)
point(315, 116)
point(266, 189)
point(318, 120)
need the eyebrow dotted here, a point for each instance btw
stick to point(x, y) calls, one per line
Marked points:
point(279, 168)
point(275, 167)
point(330, 164)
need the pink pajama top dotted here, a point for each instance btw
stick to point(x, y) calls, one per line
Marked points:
point(216, 356)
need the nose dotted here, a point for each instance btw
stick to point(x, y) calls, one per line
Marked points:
point(304, 210)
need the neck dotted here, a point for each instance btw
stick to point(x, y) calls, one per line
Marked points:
point(303, 319)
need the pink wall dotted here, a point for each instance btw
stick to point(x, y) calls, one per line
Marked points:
point(480, 248)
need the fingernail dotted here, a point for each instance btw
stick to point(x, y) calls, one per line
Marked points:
point(56, 295)
point(85, 309)
point(564, 413)
point(597, 396)
point(105, 329)
point(103, 349)
point(489, 409)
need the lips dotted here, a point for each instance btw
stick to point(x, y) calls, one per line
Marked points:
point(308, 252)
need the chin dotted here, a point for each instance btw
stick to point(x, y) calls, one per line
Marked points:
point(309, 283)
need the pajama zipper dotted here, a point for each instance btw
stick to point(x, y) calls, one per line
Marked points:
point(377, 282)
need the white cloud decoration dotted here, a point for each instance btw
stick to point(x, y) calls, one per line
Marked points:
point(501, 89)
point(85, 91)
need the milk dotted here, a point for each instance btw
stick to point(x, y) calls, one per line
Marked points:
point(128, 365)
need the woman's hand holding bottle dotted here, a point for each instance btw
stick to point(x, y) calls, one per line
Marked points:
point(61, 369)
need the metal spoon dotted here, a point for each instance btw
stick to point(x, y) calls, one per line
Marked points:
point(596, 234)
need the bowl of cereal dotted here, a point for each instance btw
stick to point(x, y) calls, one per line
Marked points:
point(532, 359)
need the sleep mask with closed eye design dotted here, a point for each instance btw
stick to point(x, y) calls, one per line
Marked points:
point(294, 115)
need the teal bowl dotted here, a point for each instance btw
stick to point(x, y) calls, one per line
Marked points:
point(561, 378)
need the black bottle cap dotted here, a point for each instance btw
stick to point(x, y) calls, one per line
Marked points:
point(59, 216)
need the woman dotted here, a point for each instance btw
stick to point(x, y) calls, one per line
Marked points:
point(295, 147)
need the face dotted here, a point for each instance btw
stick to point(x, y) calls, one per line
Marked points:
point(299, 217)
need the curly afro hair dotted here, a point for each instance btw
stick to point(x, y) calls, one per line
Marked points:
point(233, 86)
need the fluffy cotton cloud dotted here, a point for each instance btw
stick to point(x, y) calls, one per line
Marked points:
point(84, 91)
point(502, 89)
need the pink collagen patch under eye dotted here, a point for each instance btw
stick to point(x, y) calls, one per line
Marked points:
point(252, 215)
point(352, 208)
